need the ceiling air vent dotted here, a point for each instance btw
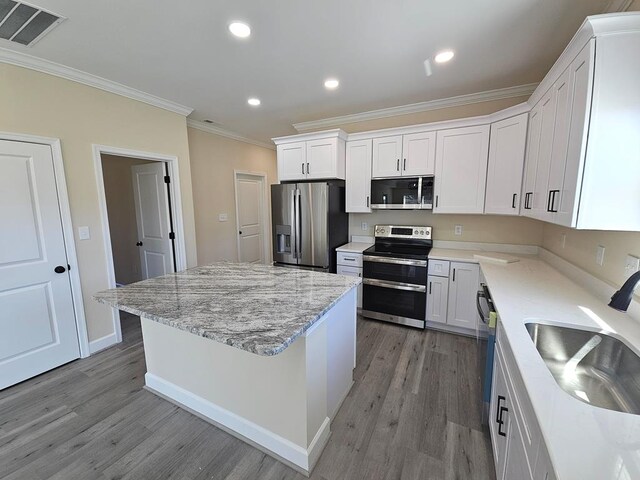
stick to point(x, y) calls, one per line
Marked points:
point(25, 24)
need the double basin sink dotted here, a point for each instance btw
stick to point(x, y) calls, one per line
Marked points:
point(595, 368)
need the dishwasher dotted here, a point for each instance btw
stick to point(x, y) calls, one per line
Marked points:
point(488, 316)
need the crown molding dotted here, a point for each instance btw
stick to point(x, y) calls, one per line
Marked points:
point(45, 66)
point(206, 127)
point(615, 6)
point(489, 95)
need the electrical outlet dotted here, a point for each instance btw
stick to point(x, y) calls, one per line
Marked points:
point(631, 265)
point(84, 233)
point(600, 255)
point(563, 240)
point(223, 217)
point(364, 226)
point(457, 230)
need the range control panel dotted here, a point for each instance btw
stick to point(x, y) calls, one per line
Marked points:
point(403, 231)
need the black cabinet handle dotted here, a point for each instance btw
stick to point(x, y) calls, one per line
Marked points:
point(513, 201)
point(527, 197)
point(553, 201)
point(302, 164)
point(429, 288)
point(139, 244)
point(549, 201)
point(498, 414)
point(367, 201)
point(59, 269)
point(454, 274)
point(307, 168)
point(436, 200)
point(501, 422)
point(405, 164)
point(398, 165)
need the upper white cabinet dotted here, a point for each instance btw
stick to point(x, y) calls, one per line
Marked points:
point(506, 161)
point(584, 149)
point(311, 157)
point(461, 169)
point(358, 173)
point(404, 155)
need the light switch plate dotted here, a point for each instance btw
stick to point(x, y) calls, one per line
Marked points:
point(364, 226)
point(458, 230)
point(223, 217)
point(84, 233)
point(600, 255)
point(631, 265)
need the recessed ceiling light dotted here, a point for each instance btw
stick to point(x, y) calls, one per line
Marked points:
point(331, 83)
point(444, 56)
point(254, 102)
point(240, 29)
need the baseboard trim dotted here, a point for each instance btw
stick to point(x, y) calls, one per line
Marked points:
point(102, 343)
point(292, 455)
point(599, 288)
point(487, 247)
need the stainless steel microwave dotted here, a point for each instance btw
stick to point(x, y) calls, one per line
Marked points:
point(402, 193)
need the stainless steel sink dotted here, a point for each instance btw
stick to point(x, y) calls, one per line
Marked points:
point(595, 368)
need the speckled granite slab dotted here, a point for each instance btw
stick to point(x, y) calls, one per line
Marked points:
point(258, 308)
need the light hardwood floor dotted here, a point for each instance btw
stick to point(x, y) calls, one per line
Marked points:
point(412, 414)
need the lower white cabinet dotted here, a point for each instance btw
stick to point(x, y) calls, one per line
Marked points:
point(463, 287)
point(437, 295)
point(350, 264)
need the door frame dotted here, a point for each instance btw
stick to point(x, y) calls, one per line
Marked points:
point(176, 210)
point(67, 230)
point(266, 212)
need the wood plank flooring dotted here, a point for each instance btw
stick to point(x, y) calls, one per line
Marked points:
point(413, 413)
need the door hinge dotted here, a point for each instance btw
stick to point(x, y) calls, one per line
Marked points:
point(172, 236)
point(167, 179)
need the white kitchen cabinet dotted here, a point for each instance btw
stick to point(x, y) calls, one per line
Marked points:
point(543, 469)
point(499, 418)
point(350, 264)
point(358, 176)
point(292, 159)
point(531, 160)
point(419, 154)
point(411, 155)
point(506, 162)
point(461, 169)
point(437, 295)
point(325, 159)
point(463, 288)
point(386, 156)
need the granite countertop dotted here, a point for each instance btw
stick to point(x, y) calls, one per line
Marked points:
point(584, 441)
point(258, 308)
point(354, 247)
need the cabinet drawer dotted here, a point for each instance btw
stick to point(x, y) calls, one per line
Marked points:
point(349, 271)
point(350, 259)
point(439, 268)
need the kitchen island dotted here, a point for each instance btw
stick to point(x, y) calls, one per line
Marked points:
point(266, 353)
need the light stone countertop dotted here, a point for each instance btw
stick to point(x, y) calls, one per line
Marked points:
point(258, 308)
point(354, 247)
point(584, 442)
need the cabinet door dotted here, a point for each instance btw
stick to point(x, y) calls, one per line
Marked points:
point(516, 466)
point(437, 293)
point(464, 284)
point(461, 169)
point(352, 272)
point(387, 152)
point(498, 416)
point(292, 159)
point(419, 154)
point(562, 122)
point(506, 162)
point(580, 97)
point(547, 125)
point(358, 182)
point(322, 158)
point(531, 162)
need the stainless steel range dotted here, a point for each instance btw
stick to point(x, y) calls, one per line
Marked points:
point(395, 275)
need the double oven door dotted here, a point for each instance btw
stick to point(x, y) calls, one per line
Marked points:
point(395, 290)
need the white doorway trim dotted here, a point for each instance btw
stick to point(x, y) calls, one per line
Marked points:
point(266, 212)
point(67, 230)
point(176, 211)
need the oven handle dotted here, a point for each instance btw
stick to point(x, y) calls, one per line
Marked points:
point(395, 285)
point(397, 261)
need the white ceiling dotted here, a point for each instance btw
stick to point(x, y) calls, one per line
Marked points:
point(182, 51)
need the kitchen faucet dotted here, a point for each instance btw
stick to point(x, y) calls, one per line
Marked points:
point(622, 298)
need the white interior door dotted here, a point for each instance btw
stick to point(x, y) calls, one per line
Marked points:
point(250, 217)
point(152, 217)
point(37, 319)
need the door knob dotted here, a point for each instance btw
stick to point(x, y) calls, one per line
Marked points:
point(240, 232)
point(138, 244)
point(59, 269)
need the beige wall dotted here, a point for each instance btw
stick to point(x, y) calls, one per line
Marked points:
point(635, 6)
point(213, 160)
point(123, 227)
point(39, 104)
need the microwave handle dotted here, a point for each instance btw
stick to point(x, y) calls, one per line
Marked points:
point(419, 190)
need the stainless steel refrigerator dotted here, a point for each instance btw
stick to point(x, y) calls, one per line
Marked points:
point(308, 223)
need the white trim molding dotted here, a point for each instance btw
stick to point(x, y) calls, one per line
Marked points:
point(302, 460)
point(479, 97)
point(45, 66)
point(67, 231)
point(206, 127)
point(178, 227)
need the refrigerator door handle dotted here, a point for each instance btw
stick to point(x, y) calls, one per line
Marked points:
point(297, 224)
point(294, 232)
